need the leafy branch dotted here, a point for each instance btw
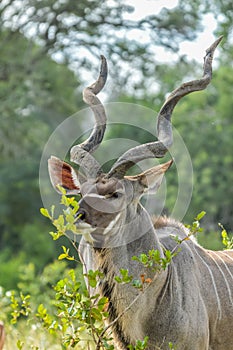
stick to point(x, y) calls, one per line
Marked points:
point(80, 310)
point(226, 240)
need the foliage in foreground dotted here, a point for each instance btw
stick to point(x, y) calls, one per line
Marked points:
point(61, 312)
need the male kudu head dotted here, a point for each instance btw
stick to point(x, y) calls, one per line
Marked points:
point(110, 200)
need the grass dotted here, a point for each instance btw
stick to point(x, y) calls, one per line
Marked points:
point(29, 337)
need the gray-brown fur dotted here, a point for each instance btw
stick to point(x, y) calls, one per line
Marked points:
point(191, 302)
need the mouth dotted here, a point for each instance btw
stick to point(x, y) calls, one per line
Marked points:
point(83, 228)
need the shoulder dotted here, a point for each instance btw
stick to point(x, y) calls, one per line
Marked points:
point(161, 222)
point(168, 228)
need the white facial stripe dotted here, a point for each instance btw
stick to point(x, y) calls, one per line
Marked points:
point(111, 224)
point(95, 195)
point(84, 228)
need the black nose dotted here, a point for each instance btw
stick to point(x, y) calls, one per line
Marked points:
point(81, 214)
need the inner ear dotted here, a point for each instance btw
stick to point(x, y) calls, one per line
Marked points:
point(151, 179)
point(64, 175)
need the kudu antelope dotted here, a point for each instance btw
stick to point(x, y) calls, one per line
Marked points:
point(191, 302)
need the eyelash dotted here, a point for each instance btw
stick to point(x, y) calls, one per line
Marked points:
point(114, 195)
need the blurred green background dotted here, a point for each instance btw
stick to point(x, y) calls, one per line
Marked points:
point(50, 50)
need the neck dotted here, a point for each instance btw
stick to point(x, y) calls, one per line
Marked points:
point(126, 301)
point(135, 237)
point(132, 230)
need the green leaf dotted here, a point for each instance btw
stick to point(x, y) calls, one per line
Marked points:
point(125, 277)
point(45, 213)
point(56, 235)
point(93, 277)
point(61, 189)
point(96, 314)
point(200, 215)
point(41, 310)
point(65, 201)
point(102, 303)
point(69, 257)
point(168, 255)
point(70, 218)
point(226, 240)
point(20, 344)
point(62, 256)
point(137, 284)
point(140, 344)
point(52, 210)
point(118, 279)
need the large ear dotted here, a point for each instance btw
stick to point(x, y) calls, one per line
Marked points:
point(62, 174)
point(151, 179)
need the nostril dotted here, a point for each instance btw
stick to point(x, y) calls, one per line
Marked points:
point(81, 214)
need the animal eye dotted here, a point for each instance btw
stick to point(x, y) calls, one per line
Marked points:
point(116, 195)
